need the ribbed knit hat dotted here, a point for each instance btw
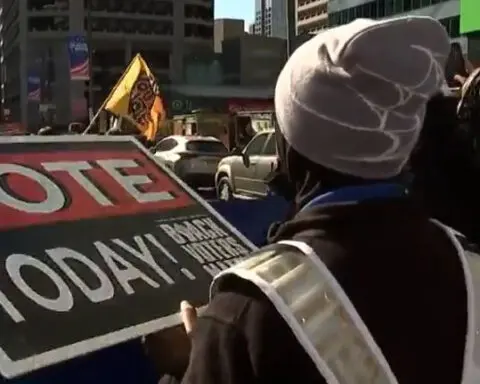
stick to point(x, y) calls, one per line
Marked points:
point(353, 98)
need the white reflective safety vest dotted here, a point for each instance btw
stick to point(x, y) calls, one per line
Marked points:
point(326, 323)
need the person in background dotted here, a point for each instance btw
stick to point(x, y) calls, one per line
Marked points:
point(245, 134)
point(359, 285)
point(458, 67)
point(76, 128)
point(446, 161)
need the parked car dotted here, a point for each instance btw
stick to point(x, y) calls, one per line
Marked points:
point(193, 158)
point(243, 174)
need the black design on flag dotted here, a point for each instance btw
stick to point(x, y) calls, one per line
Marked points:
point(143, 97)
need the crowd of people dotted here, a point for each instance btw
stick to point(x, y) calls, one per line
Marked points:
point(369, 279)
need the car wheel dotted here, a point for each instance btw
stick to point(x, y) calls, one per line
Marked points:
point(224, 191)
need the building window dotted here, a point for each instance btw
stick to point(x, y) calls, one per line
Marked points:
point(199, 31)
point(452, 25)
point(109, 58)
point(389, 7)
point(44, 5)
point(48, 23)
point(156, 58)
point(198, 12)
point(416, 4)
point(379, 9)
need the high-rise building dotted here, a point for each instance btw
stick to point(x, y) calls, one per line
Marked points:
point(447, 11)
point(252, 60)
point(227, 29)
point(312, 16)
point(271, 18)
point(35, 35)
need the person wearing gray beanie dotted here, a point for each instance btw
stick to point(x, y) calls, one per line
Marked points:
point(358, 285)
point(353, 99)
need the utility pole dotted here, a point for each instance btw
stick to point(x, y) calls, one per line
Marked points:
point(91, 102)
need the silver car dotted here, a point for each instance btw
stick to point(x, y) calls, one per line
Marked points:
point(242, 174)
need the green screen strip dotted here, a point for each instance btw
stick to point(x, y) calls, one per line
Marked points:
point(469, 16)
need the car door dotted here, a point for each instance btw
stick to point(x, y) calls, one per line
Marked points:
point(164, 151)
point(265, 165)
point(243, 172)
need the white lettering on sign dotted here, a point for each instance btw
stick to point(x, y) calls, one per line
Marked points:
point(11, 310)
point(54, 197)
point(14, 264)
point(76, 169)
point(206, 243)
point(195, 230)
point(126, 274)
point(144, 254)
point(130, 182)
point(121, 268)
point(104, 292)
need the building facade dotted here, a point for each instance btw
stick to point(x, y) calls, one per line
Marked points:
point(446, 11)
point(271, 18)
point(311, 16)
point(227, 29)
point(35, 33)
point(253, 61)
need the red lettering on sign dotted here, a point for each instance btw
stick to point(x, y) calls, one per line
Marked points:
point(41, 188)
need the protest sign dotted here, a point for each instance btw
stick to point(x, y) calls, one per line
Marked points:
point(99, 245)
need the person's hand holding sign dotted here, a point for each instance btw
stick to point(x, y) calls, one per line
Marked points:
point(169, 349)
point(189, 316)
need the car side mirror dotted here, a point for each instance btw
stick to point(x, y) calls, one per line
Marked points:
point(246, 160)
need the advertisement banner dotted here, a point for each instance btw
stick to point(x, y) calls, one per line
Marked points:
point(100, 246)
point(79, 58)
point(34, 87)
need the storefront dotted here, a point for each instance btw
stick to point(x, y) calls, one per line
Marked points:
point(185, 99)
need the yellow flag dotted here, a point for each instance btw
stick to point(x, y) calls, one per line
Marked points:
point(136, 97)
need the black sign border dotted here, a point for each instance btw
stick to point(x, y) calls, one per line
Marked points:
point(10, 368)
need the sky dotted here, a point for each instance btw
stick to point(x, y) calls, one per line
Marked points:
point(231, 9)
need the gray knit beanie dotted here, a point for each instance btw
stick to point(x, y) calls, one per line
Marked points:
point(353, 98)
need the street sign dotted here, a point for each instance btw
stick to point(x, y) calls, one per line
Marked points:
point(99, 245)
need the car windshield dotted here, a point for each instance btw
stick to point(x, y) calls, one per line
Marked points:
point(206, 146)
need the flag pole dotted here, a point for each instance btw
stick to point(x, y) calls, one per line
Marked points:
point(91, 102)
point(94, 119)
point(102, 107)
